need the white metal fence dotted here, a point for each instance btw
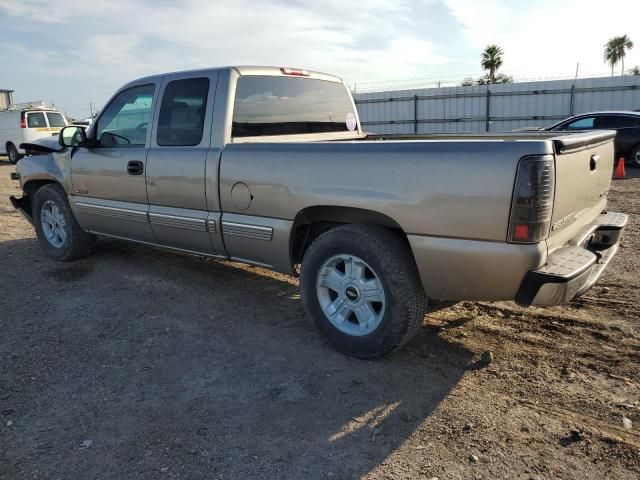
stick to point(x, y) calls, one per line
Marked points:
point(495, 108)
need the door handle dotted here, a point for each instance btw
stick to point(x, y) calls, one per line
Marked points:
point(135, 168)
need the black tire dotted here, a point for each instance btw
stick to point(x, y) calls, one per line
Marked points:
point(634, 157)
point(391, 259)
point(13, 154)
point(77, 242)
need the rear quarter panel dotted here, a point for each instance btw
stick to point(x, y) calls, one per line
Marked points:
point(458, 189)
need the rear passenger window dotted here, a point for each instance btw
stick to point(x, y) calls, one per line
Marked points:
point(618, 121)
point(36, 120)
point(181, 118)
point(56, 120)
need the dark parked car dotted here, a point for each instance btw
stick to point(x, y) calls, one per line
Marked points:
point(627, 124)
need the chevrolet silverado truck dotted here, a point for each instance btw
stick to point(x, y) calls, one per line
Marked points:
point(270, 166)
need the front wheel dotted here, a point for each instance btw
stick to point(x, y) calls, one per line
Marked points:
point(58, 231)
point(361, 287)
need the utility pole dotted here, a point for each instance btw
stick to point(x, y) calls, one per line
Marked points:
point(573, 91)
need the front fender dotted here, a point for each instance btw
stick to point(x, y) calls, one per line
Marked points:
point(52, 167)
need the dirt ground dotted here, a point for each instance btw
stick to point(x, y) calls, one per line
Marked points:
point(136, 363)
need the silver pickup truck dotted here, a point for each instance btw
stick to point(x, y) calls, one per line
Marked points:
point(270, 166)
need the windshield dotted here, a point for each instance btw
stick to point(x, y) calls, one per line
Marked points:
point(56, 120)
point(268, 105)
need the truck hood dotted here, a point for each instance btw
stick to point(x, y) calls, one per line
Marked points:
point(42, 145)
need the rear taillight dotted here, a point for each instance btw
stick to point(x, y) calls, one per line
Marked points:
point(532, 203)
point(23, 120)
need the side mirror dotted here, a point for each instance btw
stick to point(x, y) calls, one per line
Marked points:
point(72, 136)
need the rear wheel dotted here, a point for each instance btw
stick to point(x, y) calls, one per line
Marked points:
point(58, 232)
point(13, 154)
point(361, 287)
point(635, 156)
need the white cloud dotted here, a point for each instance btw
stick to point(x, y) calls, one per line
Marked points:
point(93, 47)
point(109, 43)
point(201, 32)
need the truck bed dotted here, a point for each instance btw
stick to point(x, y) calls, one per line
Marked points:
point(581, 183)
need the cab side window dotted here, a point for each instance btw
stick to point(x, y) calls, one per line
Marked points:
point(181, 118)
point(124, 122)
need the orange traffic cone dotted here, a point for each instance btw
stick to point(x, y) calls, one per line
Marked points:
point(620, 173)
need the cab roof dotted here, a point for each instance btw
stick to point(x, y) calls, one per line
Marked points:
point(243, 70)
point(610, 112)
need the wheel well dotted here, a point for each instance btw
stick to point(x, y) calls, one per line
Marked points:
point(312, 222)
point(30, 188)
point(7, 146)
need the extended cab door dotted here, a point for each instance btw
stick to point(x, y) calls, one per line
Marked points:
point(177, 163)
point(109, 189)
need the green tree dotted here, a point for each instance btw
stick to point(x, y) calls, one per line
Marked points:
point(615, 50)
point(499, 78)
point(634, 71)
point(492, 61)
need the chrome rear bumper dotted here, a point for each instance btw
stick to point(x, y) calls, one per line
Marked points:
point(573, 269)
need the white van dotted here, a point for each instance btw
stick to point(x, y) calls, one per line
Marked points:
point(26, 125)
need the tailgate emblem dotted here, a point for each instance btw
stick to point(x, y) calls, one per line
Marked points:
point(563, 221)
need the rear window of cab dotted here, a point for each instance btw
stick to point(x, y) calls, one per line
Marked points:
point(271, 105)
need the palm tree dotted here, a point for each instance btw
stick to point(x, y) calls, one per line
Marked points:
point(615, 50)
point(492, 60)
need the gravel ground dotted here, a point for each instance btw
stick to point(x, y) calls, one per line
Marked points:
point(135, 363)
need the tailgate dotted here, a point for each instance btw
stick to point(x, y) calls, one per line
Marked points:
point(584, 166)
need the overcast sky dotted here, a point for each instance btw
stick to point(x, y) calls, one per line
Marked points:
point(73, 52)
